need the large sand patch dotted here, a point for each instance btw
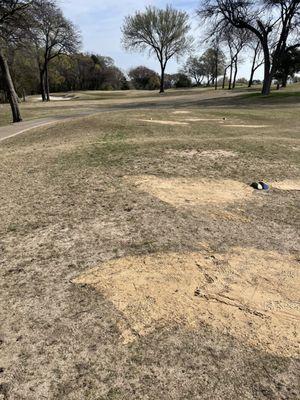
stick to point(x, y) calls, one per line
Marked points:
point(191, 192)
point(288, 184)
point(248, 293)
point(157, 121)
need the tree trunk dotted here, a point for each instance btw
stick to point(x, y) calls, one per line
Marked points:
point(250, 83)
point(42, 84)
point(224, 78)
point(267, 83)
point(216, 84)
point(47, 83)
point(216, 69)
point(162, 80)
point(235, 72)
point(10, 90)
point(284, 79)
point(230, 75)
point(268, 75)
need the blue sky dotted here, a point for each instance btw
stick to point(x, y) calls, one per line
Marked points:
point(100, 23)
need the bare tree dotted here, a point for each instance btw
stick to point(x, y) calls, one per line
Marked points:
point(240, 40)
point(52, 35)
point(164, 32)
point(11, 17)
point(230, 64)
point(218, 59)
point(271, 21)
point(257, 60)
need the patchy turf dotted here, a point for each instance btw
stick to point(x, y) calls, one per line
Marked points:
point(112, 290)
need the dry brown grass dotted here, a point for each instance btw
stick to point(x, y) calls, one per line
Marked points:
point(91, 206)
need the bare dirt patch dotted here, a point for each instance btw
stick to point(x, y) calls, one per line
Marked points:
point(189, 192)
point(295, 148)
point(54, 98)
point(203, 119)
point(207, 154)
point(288, 184)
point(249, 293)
point(246, 126)
point(156, 121)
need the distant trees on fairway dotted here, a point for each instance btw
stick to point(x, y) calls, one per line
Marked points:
point(52, 35)
point(40, 48)
point(289, 65)
point(79, 71)
point(40, 27)
point(274, 24)
point(144, 78)
point(162, 32)
point(195, 69)
point(12, 20)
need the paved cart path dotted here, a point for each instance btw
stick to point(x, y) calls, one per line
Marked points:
point(11, 130)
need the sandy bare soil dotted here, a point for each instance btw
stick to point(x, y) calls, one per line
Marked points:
point(156, 121)
point(183, 191)
point(208, 154)
point(202, 119)
point(246, 126)
point(251, 294)
point(287, 184)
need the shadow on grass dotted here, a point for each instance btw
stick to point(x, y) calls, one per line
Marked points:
point(239, 99)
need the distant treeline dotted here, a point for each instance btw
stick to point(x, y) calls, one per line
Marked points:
point(80, 71)
point(84, 71)
point(40, 49)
